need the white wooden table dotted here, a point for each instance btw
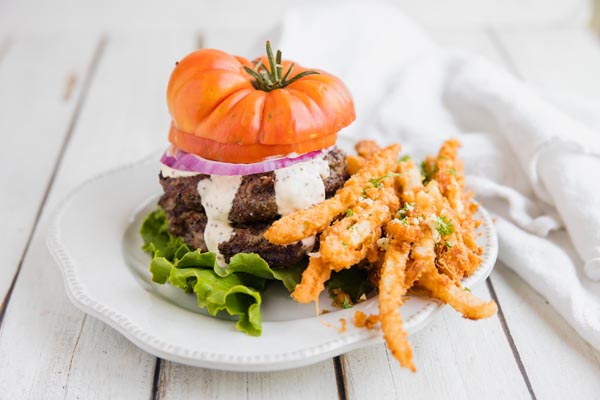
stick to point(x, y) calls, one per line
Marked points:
point(76, 102)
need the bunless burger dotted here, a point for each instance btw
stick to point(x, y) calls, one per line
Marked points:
point(250, 142)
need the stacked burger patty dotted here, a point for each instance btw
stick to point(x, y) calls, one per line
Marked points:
point(253, 210)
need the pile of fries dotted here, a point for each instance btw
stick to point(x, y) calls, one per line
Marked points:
point(414, 225)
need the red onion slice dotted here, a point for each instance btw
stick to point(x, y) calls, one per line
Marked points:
point(182, 161)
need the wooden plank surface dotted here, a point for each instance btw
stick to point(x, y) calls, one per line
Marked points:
point(183, 382)
point(36, 105)
point(559, 363)
point(48, 349)
point(455, 358)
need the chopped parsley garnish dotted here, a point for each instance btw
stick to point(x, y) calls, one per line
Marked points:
point(448, 244)
point(377, 182)
point(404, 158)
point(345, 245)
point(349, 213)
point(444, 226)
point(405, 209)
point(346, 304)
point(428, 171)
point(452, 171)
point(466, 289)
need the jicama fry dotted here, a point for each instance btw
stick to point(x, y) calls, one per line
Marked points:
point(304, 223)
point(409, 180)
point(401, 231)
point(354, 164)
point(366, 148)
point(461, 257)
point(422, 257)
point(446, 290)
point(391, 290)
point(313, 281)
point(348, 240)
point(454, 258)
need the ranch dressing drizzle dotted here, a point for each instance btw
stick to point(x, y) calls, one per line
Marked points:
point(169, 172)
point(217, 194)
point(308, 243)
point(300, 186)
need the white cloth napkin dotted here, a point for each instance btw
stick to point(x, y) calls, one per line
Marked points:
point(533, 166)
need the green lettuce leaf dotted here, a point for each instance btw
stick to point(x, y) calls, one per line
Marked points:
point(157, 239)
point(235, 289)
point(353, 281)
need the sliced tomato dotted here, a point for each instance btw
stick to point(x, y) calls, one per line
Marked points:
point(243, 153)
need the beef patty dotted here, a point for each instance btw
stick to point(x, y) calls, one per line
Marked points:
point(253, 210)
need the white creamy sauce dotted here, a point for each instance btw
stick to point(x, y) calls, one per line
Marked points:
point(169, 172)
point(308, 243)
point(300, 186)
point(297, 187)
point(217, 194)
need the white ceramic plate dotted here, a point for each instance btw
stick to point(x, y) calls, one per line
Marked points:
point(94, 240)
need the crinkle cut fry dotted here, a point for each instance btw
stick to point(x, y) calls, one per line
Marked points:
point(304, 223)
point(347, 241)
point(391, 290)
point(313, 281)
point(443, 288)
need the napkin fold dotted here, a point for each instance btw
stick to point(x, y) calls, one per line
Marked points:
point(534, 166)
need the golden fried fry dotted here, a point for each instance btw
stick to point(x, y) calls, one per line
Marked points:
point(409, 180)
point(422, 257)
point(374, 253)
point(366, 148)
point(402, 231)
point(446, 290)
point(347, 241)
point(304, 223)
point(449, 173)
point(461, 257)
point(354, 164)
point(391, 290)
point(313, 281)
point(454, 258)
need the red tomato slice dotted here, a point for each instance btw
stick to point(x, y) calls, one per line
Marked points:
point(243, 153)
